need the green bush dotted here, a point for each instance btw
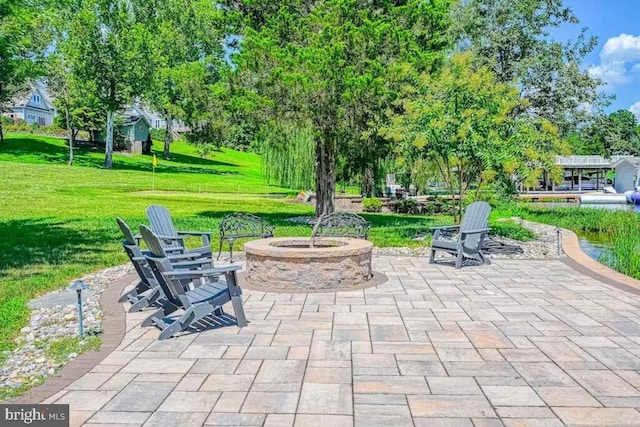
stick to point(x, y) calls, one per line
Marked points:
point(372, 204)
point(408, 206)
point(512, 230)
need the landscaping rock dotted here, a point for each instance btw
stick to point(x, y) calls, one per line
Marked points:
point(54, 318)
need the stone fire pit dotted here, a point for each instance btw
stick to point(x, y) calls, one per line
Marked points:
point(289, 263)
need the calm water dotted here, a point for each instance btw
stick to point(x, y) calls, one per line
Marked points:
point(593, 245)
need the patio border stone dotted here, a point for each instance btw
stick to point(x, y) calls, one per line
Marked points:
point(377, 279)
point(113, 327)
point(583, 263)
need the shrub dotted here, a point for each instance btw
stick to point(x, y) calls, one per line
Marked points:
point(512, 230)
point(372, 204)
point(408, 206)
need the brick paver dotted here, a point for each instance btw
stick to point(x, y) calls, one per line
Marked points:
point(514, 343)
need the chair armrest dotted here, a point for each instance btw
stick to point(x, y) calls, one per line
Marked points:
point(138, 258)
point(195, 233)
point(478, 231)
point(202, 273)
point(185, 256)
point(180, 238)
point(445, 227)
point(192, 263)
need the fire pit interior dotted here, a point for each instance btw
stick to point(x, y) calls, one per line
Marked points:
point(292, 263)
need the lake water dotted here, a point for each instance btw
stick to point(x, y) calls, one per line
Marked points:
point(593, 245)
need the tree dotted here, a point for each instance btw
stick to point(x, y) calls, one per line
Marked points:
point(104, 46)
point(462, 121)
point(627, 141)
point(22, 45)
point(197, 32)
point(311, 63)
point(512, 38)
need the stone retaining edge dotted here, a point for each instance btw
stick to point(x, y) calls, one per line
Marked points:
point(113, 327)
point(580, 261)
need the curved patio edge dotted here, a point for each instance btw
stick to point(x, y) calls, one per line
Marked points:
point(113, 327)
point(583, 263)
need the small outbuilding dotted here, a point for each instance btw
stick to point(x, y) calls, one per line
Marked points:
point(135, 131)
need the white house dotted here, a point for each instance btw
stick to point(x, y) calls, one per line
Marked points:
point(587, 173)
point(33, 106)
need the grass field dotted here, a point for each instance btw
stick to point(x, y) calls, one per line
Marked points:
point(57, 222)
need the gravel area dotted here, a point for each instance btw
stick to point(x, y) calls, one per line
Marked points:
point(28, 363)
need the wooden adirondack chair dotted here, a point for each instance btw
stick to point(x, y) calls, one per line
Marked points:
point(148, 292)
point(471, 233)
point(172, 239)
point(206, 298)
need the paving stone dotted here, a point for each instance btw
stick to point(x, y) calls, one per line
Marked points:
point(443, 422)
point(103, 417)
point(279, 420)
point(390, 384)
point(326, 399)
point(159, 378)
point(328, 375)
point(350, 334)
point(281, 371)
point(89, 381)
point(140, 397)
point(512, 396)
point(227, 382)
point(489, 339)
point(230, 401)
point(524, 355)
point(199, 351)
point(248, 367)
point(233, 419)
point(303, 420)
point(380, 399)
point(78, 418)
point(382, 416)
point(566, 396)
point(533, 422)
point(473, 369)
point(374, 364)
point(449, 406)
point(453, 385)
point(117, 382)
point(173, 419)
point(604, 383)
point(330, 350)
point(524, 412)
point(292, 340)
point(88, 400)
point(599, 416)
point(276, 387)
point(388, 333)
point(261, 352)
point(191, 382)
point(190, 401)
point(619, 402)
point(223, 339)
point(616, 358)
point(160, 366)
point(544, 374)
point(402, 348)
point(421, 367)
point(271, 402)
point(458, 355)
point(214, 366)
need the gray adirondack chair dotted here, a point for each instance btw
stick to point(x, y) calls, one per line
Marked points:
point(471, 233)
point(148, 292)
point(172, 239)
point(204, 299)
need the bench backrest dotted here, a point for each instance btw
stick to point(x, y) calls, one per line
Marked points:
point(240, 224)
point(343, 224)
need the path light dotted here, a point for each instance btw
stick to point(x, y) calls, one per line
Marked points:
point(78, 286)
point(558, 237)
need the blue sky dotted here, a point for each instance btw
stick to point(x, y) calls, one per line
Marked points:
point(616, 59)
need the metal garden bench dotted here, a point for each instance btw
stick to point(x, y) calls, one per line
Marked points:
point(241, 225)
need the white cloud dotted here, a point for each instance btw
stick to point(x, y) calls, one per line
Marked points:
point(625, 48)
point(617, 55)
point(635, 109)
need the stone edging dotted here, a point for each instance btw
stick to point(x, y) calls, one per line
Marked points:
point(377, 279)
point(583, 263)
point(113, 327)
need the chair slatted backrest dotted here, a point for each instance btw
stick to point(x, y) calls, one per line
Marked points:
point(159, 263)
point(162, 224)
point(476, 217)
point(135, 253)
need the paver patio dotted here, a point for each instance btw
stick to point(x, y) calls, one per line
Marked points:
point(515, 343)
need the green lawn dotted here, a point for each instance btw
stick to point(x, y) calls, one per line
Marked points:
point(57, 222)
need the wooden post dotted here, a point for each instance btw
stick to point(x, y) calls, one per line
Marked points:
point(572, 173)
point(579, 179)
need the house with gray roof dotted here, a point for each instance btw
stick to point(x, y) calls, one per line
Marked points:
point(33, 106)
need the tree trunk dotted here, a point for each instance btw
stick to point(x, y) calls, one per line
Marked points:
point(108, 146)
point(367, 182)
point(325, 175)
point(69, 132)
point(1, 133)
point(168, 138)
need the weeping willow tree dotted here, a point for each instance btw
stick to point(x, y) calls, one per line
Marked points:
point(288, 155)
